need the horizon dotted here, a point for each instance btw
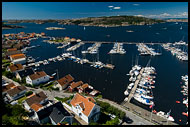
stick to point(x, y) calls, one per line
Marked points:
point(76, 10)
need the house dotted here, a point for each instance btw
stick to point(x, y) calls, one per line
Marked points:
point(35, 101)
point(54, 114)
point(37, 78)
point(82, 88)
point(8, 53)
point(15, 68)
point(59, 115)
point(85, 108)
point(74, 85)
point(16, 92)
point(21, 74)
point(18, 58)
point(63, 82)
point(11, 49)
point(7, 87)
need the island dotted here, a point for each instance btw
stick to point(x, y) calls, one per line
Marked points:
point(5, 26)
point(111, 21)
point(55, 28)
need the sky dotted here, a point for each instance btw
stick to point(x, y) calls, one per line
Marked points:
point(69, 10)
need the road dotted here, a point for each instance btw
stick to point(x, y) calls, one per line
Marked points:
point(136, 119)
point(51, 94)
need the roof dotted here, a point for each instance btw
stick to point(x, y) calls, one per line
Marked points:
point(84, 86)
point(36, 98)
point(76, 84)
point(12, 49)
point(49, 110)
point(16, 90)
point(65, 80)
point(88, 105)
point(58, 114)
point(26, 72)
point(8, 87)
point(37, 75)
point(15, 67)
point(36, 106)
point(17, 56)
point(13, 52)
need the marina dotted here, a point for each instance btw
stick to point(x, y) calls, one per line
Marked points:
point(117, 48)
point(106, 79)
point(93, 49)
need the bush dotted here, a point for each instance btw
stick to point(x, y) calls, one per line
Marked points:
point(113, 122)
point(28, 93)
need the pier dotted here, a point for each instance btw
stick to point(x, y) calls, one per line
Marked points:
point(109, 42)
point(135, 86)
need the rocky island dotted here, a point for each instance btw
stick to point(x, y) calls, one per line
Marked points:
point(111, 21)
point(55, 28)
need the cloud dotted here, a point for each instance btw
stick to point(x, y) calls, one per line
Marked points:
point(183, 14)
point(110, 6)
point(117, 8)
point(139, 15)
point(136, 4)
point(165, 15)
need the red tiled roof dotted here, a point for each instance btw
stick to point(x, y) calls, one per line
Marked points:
point(65, 80)
point(36, 106)
point(16, 90)
point(76, 84)
point(7, 87)
point(83, 102)
point(36, 98)
point(37, 75)
point(17, 56)
point(15, 67)
point(84, 86)
point(12, 49)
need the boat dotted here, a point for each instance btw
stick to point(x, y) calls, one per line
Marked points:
point(126, 92)
point(163, 115)
point(142, 100)
point(181, 28)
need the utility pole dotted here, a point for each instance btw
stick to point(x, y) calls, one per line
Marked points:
point(57, 75)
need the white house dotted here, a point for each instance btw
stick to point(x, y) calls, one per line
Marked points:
point(16, 92)
point(37, 78)
point(85, 108)
point(18, 59)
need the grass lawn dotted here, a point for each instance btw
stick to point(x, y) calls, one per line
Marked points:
point(21, 99)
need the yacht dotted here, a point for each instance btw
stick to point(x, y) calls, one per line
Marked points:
point(142, 100)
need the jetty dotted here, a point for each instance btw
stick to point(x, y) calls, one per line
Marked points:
point(109, 42)
point(135, 86)
point(74, 47)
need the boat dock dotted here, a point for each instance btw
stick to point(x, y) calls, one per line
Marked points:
point(74, 47)
point(108, 42)
point(135, 86)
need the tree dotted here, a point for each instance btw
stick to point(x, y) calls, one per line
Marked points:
point(28, 93)
point(5, 120)
point(17, 110)
point(113, 122)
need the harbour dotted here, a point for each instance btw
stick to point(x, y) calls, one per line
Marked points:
point(104, 80)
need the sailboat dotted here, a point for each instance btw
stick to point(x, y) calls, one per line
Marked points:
point(181, 28)
point(84, 28)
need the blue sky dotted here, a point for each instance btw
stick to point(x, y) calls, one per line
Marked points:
point(68, 10)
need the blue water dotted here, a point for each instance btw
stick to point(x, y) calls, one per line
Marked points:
point(113, 83)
